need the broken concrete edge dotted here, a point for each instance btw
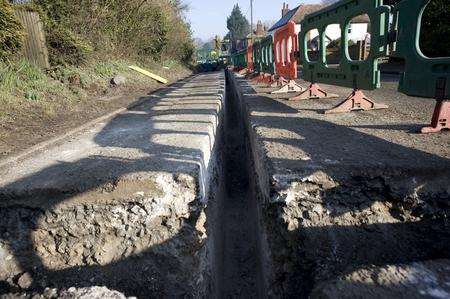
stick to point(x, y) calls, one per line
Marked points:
point(288, 239)
point(96, 292)
point(280, 180)
point(410, 280)
point(192, 247)
point(9, 161)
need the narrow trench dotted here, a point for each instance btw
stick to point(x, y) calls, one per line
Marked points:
point(240, 274)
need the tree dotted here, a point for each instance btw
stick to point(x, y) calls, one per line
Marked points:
point(11, 31)
point(237, 24)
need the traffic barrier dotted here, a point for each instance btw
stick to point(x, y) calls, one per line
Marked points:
point(286, 47)
point(257, 63)
point(314, 91)
point(239, 61)
point(423, 76)
point(250, 62)
point(267, 60)
point(440, 119)
point(257, 56)
point(355, 74)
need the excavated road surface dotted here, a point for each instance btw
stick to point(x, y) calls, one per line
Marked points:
point(207, 189)
point(120, 204)
point(354, 205)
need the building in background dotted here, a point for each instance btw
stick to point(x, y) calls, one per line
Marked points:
point(295, 15)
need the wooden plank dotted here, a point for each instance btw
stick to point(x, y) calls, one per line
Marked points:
point(148, 74)
point(34, 45)
point(42, 41)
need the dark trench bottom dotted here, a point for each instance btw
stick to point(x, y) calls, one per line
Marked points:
point(240, 275)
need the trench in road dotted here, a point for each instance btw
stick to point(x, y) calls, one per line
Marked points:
point(240, 271)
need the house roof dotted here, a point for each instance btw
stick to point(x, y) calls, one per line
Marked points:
point(325, 8)
point(285, 19)
point(297, 15)
point(306, 10)
point(360, 19)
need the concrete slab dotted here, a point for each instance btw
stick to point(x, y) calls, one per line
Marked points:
point(342, 192)
point(121, 203)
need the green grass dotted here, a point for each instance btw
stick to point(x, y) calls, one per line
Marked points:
point(21, 86)
point(25, 88)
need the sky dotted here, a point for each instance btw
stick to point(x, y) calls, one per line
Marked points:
point(208, 17)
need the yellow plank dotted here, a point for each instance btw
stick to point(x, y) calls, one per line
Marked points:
point(147, 73)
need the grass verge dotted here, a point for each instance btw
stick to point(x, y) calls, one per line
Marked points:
point(37, 104)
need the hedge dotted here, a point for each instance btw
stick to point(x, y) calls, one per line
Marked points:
point(11, 31)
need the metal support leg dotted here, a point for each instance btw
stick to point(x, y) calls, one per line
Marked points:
point(257, 77)
point(269, 79)
point(251, 75)
point(243, 72)
point(261, 78)
point(314, 91)
point(441, 118)
point(356, 101)
point(291, 86)
point(279, 82)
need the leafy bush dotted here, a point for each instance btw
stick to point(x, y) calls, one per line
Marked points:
point(144, 30)
point(11, 31)
point(133, 28)
point(65, 47)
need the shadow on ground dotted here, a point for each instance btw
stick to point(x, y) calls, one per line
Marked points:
point(158, 265)
point(355, 200)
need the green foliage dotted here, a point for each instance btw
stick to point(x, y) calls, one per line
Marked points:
point(133, 28)
point(23, 79)
point(32, 95)
point(11, 31)
point(237, 24)
point(78, 29)
point(30, 92)
point(435, 30)
point(65, 47)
